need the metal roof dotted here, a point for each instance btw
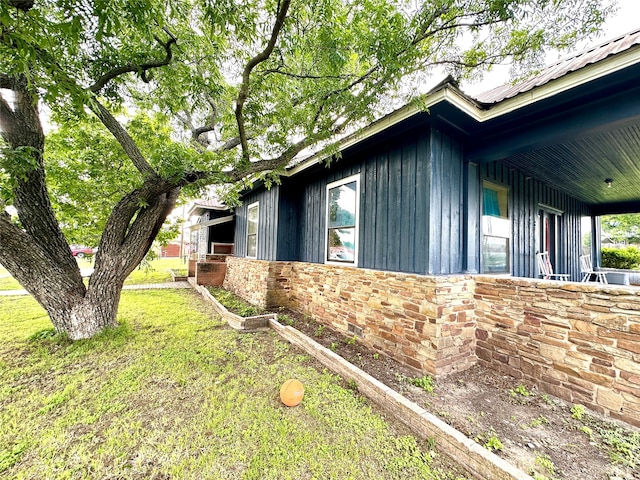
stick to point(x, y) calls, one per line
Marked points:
point(574, 125)
point(562, 68)
point(200, 205)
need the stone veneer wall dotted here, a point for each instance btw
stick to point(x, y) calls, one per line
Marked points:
point(423, 321)
point(263, 283)
point(248, 278)
point(579, 342)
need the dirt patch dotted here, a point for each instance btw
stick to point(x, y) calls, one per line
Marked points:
point(540, 434)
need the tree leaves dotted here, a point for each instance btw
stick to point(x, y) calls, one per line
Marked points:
point(334, 66)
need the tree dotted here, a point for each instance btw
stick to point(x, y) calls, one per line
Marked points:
point(623, 228)
point(250, 85)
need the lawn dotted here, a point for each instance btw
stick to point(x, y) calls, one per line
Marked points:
point(157, 271)
point(173, 393)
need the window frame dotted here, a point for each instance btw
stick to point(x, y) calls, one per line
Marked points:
point(255, 205)
point(500, 189)
point(356, 227)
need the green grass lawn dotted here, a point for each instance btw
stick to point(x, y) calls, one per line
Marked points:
point(157, 271)
point(8, 283)
point(173, 393)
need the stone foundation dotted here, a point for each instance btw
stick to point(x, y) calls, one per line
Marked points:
point(579, 342)
point(424, 322)
point(262, 283)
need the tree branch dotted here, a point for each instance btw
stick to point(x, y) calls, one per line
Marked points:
point(123, 138)
point(146, 226)
point(24, 5)
point(6, 117)
point(5, 81)
point(229, 144)
point(283, 159)
point(259, 58)
point(142, 68)
point(27, 259)
point(22, 130)
point(17, 123)
point(200, 130)
point(299, 76)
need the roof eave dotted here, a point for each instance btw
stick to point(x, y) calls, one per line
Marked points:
point(197, 206)
point(482, 112)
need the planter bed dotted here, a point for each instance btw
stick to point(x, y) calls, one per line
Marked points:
point(245, 324)
point(179, 275)
point(467, 406)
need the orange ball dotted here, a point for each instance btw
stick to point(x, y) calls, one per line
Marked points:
point(291, 392)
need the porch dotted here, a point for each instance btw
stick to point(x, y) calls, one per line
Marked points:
point(211, 242)
point(577, 341)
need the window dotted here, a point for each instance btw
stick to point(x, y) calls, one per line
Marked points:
point(496, 229)
point(252, 230)
point(342, 220)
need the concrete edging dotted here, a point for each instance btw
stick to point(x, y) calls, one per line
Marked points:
point(244, 324)
point(479, 462)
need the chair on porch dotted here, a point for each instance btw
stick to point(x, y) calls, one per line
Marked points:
point(586, 268)
point(545, 270)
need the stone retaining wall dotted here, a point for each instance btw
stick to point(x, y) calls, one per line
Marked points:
point(262, 283)
point(422, 321)
point(579, 342)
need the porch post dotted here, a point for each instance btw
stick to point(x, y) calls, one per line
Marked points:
point(596, 242)
point(471, 219)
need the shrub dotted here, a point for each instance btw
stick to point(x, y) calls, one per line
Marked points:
point(626, 258)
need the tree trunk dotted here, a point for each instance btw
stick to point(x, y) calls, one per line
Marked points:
point(73, 309)
point(35, 251)
point(87, 317)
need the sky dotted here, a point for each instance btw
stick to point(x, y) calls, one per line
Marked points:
point(626, 19)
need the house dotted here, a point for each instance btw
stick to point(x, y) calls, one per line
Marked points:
point(211, 237)
point(171, 249)
point(421, 240)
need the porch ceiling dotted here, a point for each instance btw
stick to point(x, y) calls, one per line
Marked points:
point(573, 141)
point(579, 167)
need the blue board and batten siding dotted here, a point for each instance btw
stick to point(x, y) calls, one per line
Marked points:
point(394, 217)
point(420, 209)
point(526, 197)
point(406, 182)
point(446, 205)
point(267, 223)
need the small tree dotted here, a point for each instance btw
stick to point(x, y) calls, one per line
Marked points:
point(622, 228)
point(252, 84)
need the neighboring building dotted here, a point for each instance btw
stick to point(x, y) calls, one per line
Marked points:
point(213, 230)
point(422, 239)
point(171, 249)
point(211, 241)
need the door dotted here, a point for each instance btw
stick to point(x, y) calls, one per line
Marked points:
point(548, 238)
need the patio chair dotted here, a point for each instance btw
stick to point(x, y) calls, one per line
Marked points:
point(586, 268)
point(545, 270)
